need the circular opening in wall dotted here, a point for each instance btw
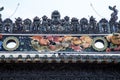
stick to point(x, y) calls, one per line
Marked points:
point(99, 44)
point(11, 44)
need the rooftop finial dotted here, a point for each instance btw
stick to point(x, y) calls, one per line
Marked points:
point(1, 8)
point(114, 16)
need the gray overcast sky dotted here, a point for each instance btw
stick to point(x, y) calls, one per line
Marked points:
point(71, 8)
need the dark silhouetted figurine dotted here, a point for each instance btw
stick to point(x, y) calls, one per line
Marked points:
point(56, 22)
point(36, 24)
point(104, 26)
point(1, 27)
point(1, 9)
point(18, 25)
point(55, 16)
point(1, 24)
point(56, 25)
point(84, 26)
point(0, 17)
point(44, 26)
point(67, 27)
point(49, 25)
point(92, 25)
point(27, 25)
point(113, 18)
point(62, 24)
point(8, 25)
point(118, 27)
point(74, 25)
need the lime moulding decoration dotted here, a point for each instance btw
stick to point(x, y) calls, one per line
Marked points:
point(60, 40)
